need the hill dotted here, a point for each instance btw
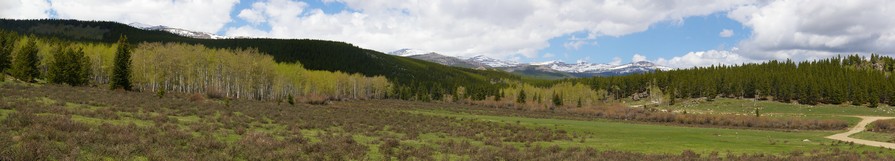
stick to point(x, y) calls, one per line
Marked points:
point(416, 78)
point(545, 70)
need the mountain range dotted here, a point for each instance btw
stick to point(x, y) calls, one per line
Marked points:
point(178, 31)
point(550, 69)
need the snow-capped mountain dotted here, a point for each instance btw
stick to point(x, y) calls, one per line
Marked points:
point(409, 52)
point(584, 67)
point(447, 60)
point(579, 69)
point(178, 31)
point(491, 62)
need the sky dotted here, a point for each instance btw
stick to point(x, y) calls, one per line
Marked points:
point(675, 33)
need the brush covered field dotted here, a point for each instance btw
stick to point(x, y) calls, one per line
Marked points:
point(57, 122)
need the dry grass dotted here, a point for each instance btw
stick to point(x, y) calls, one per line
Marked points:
point(136, 126)
point(621, 112)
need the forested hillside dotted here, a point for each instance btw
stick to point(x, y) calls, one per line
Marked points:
point(852, 79)
point(415, 79)
point(179, 68)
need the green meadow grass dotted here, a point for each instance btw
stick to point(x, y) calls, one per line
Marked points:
point(651, 138)
point(4, 113)
point(875, 136)
point(779, 109)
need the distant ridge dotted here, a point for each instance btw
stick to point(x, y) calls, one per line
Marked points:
point(549, 69)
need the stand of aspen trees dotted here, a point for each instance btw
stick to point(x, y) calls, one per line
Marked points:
point(224, 73)
point(563, 94)
point(242, 73)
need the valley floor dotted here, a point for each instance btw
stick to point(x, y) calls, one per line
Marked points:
point(51, 122)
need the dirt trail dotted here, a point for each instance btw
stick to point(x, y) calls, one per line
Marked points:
point(860, 127)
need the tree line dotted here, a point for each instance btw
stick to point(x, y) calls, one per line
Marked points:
point(180, 68)
point(852, 79)
point(413, 79)
point(244, 73)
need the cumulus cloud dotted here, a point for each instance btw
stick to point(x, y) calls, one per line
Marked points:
point(726, 33)
point(794, 29)
point(637, 58)
point(804, 29)
point(252, 16)
point(499, 28)
point(24, 9)
point(615, 61)
point(705, 58)
point(575, 44)
point(207, 16)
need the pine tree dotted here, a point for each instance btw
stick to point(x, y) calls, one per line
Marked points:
point(290, 99)
point(557, 100)
point(24, 66)
point(7, 43)
point(121, 70)
point(69, 66)
point(873, 99)
point(672, 94)
point(521, 97)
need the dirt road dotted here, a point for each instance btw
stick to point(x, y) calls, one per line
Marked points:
point(860, 127)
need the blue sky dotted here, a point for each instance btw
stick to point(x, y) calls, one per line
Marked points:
point(329, 8)
point(673, 33)
point(665, 39)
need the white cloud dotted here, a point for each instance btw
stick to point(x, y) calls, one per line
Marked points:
point(548, 55)
point(726, 33)
point(252, 16)
point(499, 28)
point(615, 61)
point(585, 59)
point(24, 9)
point(804, 29)
point(575, 44)
point(207, 16)
point(637, 58)
point(705, 58)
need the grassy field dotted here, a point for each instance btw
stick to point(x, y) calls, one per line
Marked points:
point(52, 122)
point(778, 109)
point(875, 136)
point(607, 134)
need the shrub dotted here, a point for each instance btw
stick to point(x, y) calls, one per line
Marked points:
point(196, 97)
point(883, 126)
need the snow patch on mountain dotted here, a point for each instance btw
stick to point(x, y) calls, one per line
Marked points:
point(584, 67)
point(580, 67)
point(409, 52)
point(178, 31)
point(492, 62)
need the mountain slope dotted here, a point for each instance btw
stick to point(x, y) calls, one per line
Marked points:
point(537, 71)
point(446, 60)
point(313, 54)
point(178, 31)
point(491, 62)
point(544, 70)
point(584, 69)
point(409, 52)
